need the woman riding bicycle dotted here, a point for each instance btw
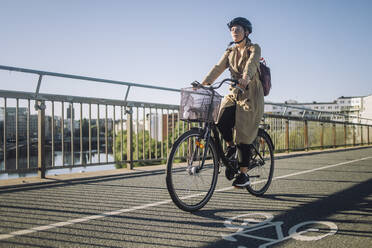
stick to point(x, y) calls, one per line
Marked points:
point(242, 110)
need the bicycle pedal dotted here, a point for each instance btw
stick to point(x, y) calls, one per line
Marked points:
point(236, 187)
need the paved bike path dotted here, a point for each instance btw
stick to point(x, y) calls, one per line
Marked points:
point(134, 210)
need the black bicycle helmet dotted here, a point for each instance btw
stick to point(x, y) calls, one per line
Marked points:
point(247, 25)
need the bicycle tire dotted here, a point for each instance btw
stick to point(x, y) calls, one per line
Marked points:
point(179, 173)
point(262, 173)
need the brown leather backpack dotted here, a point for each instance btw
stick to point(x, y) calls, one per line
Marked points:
point(265, 76)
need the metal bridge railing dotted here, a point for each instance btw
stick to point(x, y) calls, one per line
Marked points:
point(117, 132)
point(105, 132)
point(295, 134)
point(129, 133)
point(297, 128)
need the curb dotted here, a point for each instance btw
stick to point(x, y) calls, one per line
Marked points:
point(54, 180)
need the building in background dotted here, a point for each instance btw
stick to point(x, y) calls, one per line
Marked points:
point(2, 114)
point(69, 108)
point(11, 127)
point(353, 108)
point(153, 125)
point(22, 124)
point(366, 109)
point(169, 122)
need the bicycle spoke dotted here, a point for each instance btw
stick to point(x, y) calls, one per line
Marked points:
point(262, 172)
point(188, 184)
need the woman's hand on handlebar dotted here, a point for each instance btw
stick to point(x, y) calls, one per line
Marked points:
point(197, 85)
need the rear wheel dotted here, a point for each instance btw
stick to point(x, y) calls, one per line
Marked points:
point(262, 171)
point(189, 182)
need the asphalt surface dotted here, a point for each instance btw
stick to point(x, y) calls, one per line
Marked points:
point(333, 190)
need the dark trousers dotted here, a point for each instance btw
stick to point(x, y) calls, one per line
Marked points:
point(226, 126)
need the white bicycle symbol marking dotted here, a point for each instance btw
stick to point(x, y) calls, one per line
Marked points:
point(257, 221)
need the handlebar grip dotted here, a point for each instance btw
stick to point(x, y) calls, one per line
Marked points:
point(195, 84)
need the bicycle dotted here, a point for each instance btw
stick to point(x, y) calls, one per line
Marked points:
point(196, 156)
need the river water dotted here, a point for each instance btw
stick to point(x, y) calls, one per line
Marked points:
point(79, 161)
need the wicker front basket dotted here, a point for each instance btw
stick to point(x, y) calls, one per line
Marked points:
point(195, 105)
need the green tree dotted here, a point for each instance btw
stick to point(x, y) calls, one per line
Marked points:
point(143, 148)
point(143, 154)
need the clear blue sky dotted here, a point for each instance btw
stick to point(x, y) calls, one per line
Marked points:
point(318, 50)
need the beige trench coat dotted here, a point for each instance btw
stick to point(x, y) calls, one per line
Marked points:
point(250, 104)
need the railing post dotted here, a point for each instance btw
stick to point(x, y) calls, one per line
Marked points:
point(361, 135)
point(322, 136)
point(334, 135)
point(354, 135)
point(28, 132)
point(121, 135)
point(129, 138)
point(41, 140)
point(72, 132)
point(5, 135)
point(345, 135)
point(90, 133)
point(98, 136)
point(287, 135)
point(81, 133)
point(306, 135)
point(114, 133)
point(17, 133)
point(63, 133)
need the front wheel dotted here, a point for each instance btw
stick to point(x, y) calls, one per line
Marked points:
point(262, 170)
point(191, 183)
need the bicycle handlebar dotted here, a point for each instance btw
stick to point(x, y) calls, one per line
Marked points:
point(234, 83)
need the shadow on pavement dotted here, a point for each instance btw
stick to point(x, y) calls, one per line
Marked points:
point(353, 198)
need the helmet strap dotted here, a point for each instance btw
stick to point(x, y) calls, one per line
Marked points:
point(238, 42)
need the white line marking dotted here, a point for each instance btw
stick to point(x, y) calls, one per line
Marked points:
point(126, 210)
point(322, 168)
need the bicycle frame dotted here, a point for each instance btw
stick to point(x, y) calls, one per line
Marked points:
point(211, 127)
point(206, 134)
point(207, 130)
